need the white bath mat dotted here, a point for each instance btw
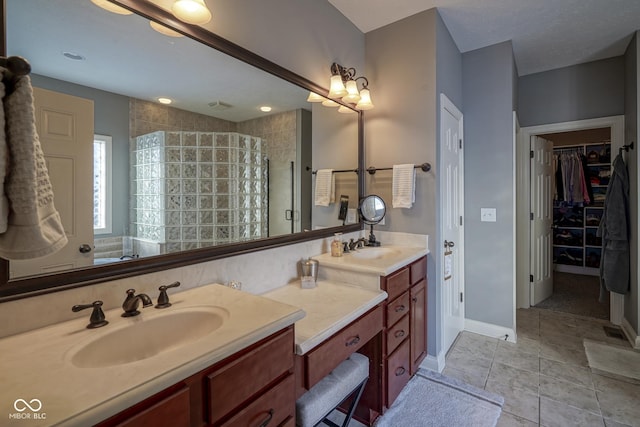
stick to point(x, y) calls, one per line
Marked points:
point(614, 361)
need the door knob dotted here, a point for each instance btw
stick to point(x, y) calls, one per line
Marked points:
point(448, 244)
point(84, 248)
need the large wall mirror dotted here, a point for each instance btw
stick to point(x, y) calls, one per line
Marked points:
point(225, 168)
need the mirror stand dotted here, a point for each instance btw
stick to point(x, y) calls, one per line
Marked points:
point(372, 238)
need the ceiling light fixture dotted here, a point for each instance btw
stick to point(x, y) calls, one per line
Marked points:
point(165, 101)
point(191, 11)
point(73, 56)
point(164, 30)
point(344, 86)
point(265, 109)
point(111, 7)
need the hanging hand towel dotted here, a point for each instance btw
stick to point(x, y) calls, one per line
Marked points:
point(34, 226)
point(4, 159)
point(325, 193)
point(404, 186)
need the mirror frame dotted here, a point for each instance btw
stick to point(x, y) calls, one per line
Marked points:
point(12, 289)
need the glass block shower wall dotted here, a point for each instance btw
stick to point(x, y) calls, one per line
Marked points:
point(197, 189)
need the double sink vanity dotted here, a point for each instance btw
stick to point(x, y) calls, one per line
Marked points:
point(223, 357)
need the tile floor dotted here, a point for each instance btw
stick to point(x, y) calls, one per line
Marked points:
point(545, 378)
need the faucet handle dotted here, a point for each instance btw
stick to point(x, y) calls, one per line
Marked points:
point(97, 318)
point(163, 298)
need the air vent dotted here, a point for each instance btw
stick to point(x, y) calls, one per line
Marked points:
point(219, 105)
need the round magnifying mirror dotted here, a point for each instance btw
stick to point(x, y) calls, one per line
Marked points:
point(372, 209)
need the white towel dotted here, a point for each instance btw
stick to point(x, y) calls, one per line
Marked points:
point(34, 225)
point(404, 186)
point(325, 193)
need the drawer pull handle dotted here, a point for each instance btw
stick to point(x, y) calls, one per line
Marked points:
point(353, 341)
point(400, 308)
point(400, 371)
point(268, 419)
point(399, 334)
point(414, 299)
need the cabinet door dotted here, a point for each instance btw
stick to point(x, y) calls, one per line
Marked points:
point(397, 372)
point(418, 324)
point(171, 411)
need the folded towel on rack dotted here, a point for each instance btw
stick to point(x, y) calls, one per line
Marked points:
point(34, 226)
point(4, 159)
point(404, 186)
point(325, 192)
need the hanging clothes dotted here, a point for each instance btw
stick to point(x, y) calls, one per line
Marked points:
point(571, 180)
point(614, 230)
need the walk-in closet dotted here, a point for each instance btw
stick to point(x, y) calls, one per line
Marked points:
point(581, 174)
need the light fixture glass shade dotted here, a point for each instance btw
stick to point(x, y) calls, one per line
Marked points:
point(337, 89)
point(365, 100)
point(314, 97)
point(164, 30)
point(111, 7)
point(191, 11)
point(352, 95)
point(345, 110)
point(330, 103)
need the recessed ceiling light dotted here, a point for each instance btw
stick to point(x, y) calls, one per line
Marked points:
point(165, 101)
point(114, 8)
point(73, 56)
point(265, 108)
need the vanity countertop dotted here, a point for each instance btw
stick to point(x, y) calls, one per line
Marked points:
point(329, 307)
point(37, 364)
point(382, 261)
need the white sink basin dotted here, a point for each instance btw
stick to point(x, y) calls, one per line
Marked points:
point(373, 253)
point(148, 337)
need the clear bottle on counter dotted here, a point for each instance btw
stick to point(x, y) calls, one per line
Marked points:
point(336, 245)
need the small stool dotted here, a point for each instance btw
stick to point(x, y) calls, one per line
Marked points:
point(348, 378)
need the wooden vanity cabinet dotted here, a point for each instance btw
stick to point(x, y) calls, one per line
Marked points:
point(252, 387)
point(404, 338)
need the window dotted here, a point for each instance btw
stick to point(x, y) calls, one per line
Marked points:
point(101, 184)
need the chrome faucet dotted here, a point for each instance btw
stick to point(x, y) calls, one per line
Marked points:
point(131, 303)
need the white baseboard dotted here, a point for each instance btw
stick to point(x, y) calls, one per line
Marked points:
point(489, 330)
point(434, 363)
point(631, 334)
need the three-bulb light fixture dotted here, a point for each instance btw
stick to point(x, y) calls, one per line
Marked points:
point(190, 11)
point(344, 86)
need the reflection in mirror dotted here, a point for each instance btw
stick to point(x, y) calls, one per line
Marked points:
point(372, 210)
point(210, 168)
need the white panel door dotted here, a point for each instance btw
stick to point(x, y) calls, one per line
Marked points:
point(542, 219)
point(65, 128)
point(451, 249)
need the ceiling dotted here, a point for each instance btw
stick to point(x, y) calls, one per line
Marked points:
point(124, 55)
point(546, 34)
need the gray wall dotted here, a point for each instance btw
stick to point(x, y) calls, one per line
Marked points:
point(305, 36)
point(111, 117)
point(488, 128)
point(585, 91)
point(631, 134)
point(401, 67)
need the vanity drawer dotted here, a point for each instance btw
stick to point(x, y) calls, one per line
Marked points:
point(397, 372)
point(418, 270)
point(323, 359)
point(397, 282)
point(273, 408)
point(398, 308)
point(238, 381)
point(397, 333)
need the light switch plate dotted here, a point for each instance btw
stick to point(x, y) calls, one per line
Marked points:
point(488, 214)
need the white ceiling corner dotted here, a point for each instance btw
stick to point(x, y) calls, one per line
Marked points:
point(546, 34)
